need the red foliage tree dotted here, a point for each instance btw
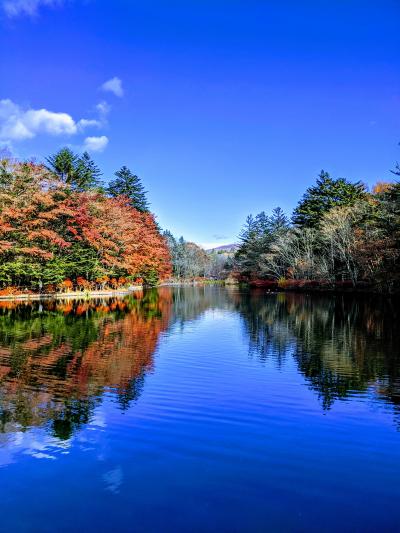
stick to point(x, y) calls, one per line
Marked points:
point(45, 227)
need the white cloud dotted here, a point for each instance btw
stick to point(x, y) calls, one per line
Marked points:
point(95, 144)
point(14, 8)
point(49, 122)
point(17, 124)
point(114, 85)
point(103, 108)
point(88, 123)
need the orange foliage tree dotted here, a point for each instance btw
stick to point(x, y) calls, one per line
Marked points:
point(50, 233)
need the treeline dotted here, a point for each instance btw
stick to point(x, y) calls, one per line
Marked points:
point(190, 261)
point(339, 235)
point(61, 228)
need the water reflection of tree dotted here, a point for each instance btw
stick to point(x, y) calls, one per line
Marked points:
point(340, 343)
point(57, 359)
point(190, 302)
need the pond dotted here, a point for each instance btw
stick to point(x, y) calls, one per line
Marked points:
point(200, 409)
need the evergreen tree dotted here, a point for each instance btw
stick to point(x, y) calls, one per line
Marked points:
point(320, 198)
point(249, 230)
point(258, 236)
point(128, 184)
point(6, 176)
point(279, 222)
point(80, 172)
point(396, 170)
point(63, 164)
point(87, 173)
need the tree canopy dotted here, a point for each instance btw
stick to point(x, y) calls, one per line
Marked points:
point(340, 234)
point(320, 198)
point(129, 185)
point(79, 172)
point(258, 236)
point(55, 227)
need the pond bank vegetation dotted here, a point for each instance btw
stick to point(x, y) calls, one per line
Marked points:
point(340, 237)
point(63, 232)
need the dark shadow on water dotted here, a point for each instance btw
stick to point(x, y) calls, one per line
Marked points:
point(341, 344)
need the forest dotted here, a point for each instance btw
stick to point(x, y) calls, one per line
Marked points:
point(340, 235)
point(191, 262)
point(61, 229)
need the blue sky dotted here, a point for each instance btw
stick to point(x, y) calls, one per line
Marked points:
point(222, 107)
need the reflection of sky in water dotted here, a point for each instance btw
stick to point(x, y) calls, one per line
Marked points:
point(113, 479)
point(36, 443)
point(39, 444)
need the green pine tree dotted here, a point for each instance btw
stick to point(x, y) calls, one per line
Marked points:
point(87, 173)
point(63, 164)
point(320, 198)
point(128, 184)
point(80, 172)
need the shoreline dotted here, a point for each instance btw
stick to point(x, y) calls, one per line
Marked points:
point(94, 294)
point(188, 283)
point(70, 295)
point(261, 285)
point(312, 287)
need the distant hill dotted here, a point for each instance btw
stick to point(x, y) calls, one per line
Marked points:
point(225, 248)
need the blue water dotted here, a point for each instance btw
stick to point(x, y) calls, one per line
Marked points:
point(200, 409)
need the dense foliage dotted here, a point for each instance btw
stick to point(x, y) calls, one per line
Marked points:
point(190, 261)
point(324, 195)
point(339, 233)
point(59, 229)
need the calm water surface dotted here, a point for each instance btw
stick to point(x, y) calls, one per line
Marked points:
point(200, 409)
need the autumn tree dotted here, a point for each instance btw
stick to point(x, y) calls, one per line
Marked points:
point(50, 232)
point(32, 210)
